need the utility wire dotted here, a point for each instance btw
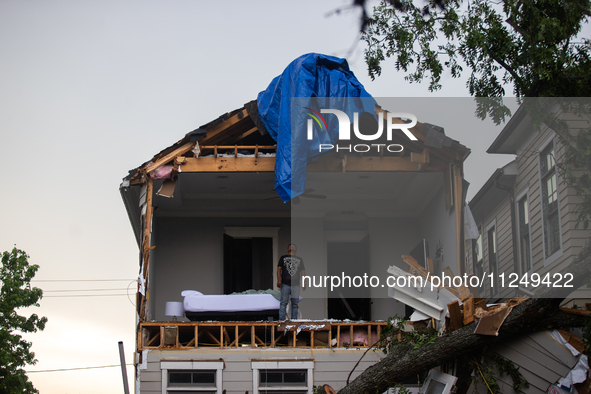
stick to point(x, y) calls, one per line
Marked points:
point(79, 369)
point(84, 295)
point(82, 280)
point(69, 290)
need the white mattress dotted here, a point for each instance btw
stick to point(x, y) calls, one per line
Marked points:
point(196, 302)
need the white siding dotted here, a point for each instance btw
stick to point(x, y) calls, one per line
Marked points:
point(330, 366)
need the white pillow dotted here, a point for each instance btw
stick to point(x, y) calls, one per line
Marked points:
point(186, 293)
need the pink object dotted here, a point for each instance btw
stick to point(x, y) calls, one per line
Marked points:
point(359, 337)
point(163, 172)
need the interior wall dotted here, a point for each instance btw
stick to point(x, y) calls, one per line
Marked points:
point(308, 235)
point(189, 255)
point(389, 238)
point(438, 226)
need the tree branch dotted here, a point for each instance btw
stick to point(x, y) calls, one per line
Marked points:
point(532, 315)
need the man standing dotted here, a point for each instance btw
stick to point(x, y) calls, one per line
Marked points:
point(289, 271)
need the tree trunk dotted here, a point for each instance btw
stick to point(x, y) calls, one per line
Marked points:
point(534, 314)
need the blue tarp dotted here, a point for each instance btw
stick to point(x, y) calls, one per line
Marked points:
point(282, 112)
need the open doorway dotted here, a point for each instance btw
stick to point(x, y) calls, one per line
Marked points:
point(248, 264)
point(250, 255)
point(350, 259)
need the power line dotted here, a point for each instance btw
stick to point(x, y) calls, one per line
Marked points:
point(84, 295)
point(79, 369)
point(69, 290)
point(83, 280)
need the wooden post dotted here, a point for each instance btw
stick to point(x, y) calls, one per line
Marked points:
point(146, 247)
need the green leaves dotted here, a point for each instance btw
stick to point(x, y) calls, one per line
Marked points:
point(394, 334)
point(15, 293)
point(527, 44)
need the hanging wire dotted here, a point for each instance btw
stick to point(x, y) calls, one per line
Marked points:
point(78, 369)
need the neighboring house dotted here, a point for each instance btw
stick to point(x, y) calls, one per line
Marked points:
point(526, 220)
point(206, 218)
point(525, 214)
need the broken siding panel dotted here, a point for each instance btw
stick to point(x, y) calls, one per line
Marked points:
point(558, 351)
point(537, 385)
point(551, 348)
point(541, 376)
point(541, 360)
point(506, 385)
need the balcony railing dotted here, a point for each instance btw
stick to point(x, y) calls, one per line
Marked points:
point(261, 334)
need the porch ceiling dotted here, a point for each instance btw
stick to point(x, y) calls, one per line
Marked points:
point(389, 194)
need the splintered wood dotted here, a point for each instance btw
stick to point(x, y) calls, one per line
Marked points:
point(490, 318)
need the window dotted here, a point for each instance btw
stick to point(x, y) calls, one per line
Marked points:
point(192, 377)
point(524, 237)
point(477, 254)
point(438, 383)
point(549, 201)
point(492, 259)
point(282, 377)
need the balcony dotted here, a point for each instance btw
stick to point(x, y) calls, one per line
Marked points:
point(261, 334)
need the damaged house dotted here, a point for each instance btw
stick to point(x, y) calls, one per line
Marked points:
point(209, 222)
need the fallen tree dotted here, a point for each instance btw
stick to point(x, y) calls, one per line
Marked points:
point(535, 314)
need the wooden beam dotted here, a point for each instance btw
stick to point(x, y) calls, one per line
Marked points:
point(421, 158)
point(246, 134)
point(455, 316)
point(272, 336)
point(576, 311)
point(221, 127)
point(228, 164)
point(274, 147)
point(326, 164)
point(170, 156)
point(143, 312)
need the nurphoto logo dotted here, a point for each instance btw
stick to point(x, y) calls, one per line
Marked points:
point(344, 131)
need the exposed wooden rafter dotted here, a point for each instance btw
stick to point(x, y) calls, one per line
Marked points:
point(170, 156)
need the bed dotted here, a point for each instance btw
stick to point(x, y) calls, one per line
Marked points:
point(230, 307)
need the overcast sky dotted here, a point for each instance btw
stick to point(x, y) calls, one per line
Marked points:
point(92, 89)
